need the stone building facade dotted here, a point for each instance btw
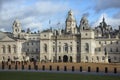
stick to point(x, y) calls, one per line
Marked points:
point(72, 44)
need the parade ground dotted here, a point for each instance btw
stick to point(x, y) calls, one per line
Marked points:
point(13, 75)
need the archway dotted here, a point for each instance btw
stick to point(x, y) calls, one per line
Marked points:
point(65, 58)
point(32, 59)
point(109, 60)
point(9, 58)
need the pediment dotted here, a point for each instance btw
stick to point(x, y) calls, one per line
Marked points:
point(6, 38)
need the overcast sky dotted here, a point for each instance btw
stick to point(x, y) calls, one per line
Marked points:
point(36, 14)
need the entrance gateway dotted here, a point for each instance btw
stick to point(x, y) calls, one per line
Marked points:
point(65, 58)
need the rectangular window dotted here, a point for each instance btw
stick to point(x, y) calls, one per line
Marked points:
point(117, 42)
point(105, 42)
point(71, 49)
point(27, 50)
point(99, 42)
point(103, 58)
point(36, 50)
point(99, 49)
point(59, 49)
point(111, 42)
point(110, 49)
point(105, 49)
point(95, 49)
point(115, 58)
point(28, 43)
point(3, 49)
point(32, 43)
point(117, 49)
point(78, 49)
point(53, 49)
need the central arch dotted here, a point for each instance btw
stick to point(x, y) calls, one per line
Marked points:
point(65, 58)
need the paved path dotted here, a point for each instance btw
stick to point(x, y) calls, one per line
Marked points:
point(68, 71)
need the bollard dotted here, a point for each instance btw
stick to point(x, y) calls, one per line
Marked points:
point(89, 69)
point(106, 69)
point(57, 68)
point(65, 68)
point(50, 67)
point(115, 70)
point(97, 69)
point(43, 67)
point(73, 68)
point(80, 68)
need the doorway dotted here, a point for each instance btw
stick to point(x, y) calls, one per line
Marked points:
point(65, 58)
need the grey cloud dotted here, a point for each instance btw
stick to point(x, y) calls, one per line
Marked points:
point(117, 15)
point(106, 4)
point(39, 11)
point(3, 2)
point(86, 14)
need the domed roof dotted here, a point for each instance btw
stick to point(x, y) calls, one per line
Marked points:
point(84, 18)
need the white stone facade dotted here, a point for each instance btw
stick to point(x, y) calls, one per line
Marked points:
point(74, 44)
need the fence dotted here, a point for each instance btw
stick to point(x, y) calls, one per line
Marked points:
point(64, 67)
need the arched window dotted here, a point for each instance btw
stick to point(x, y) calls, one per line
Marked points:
point(86, 47)
point(3, 49)
point(71, 48)
point(97, 58)
point(87, 58)
point(103, 58)
point(66, 47)
point(83, 28)
point(78, 50)
point(45, 47)
point(14, 48)
point(3, 58)
point(117, 49)
point(9, 48)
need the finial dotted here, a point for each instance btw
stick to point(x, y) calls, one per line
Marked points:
point(103, 18)
point(70, 12)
